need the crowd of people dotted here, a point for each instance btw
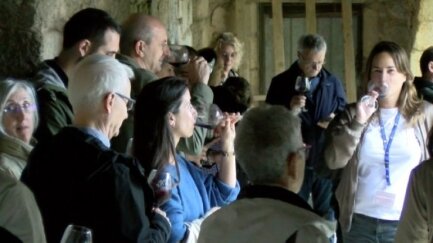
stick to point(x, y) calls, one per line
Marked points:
point(106, 135)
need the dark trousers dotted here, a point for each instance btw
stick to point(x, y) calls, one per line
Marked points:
point(321, 191)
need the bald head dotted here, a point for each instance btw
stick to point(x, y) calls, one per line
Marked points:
point(138, 27)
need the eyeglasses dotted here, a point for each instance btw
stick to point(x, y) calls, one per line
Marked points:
point(129, 102)
point(15, 108)
point(305, 149)
point(311, 63)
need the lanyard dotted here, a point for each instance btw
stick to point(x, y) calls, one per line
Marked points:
point(387, 144)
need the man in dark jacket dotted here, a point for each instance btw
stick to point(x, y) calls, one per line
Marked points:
point(424, 84)
point(322, 101)
point(77, 179)
point(87, 31)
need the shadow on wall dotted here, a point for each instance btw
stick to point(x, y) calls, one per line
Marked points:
point(19, 44)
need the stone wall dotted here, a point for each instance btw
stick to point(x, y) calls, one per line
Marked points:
point(19, 43)
point(31, 30)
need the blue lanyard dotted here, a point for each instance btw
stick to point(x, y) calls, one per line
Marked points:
point(387, 144)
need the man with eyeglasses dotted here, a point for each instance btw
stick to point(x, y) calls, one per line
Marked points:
point(88, 31)
point(324, 99)
point(268, 210)
point(77, 179)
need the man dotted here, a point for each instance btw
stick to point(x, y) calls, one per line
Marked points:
point(88, 31)
point(324, 99)
point(424, 84)
point(143, 47)
point(78, 179)
point(268, 210)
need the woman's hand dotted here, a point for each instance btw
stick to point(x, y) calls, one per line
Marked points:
point(366, 107)
point(226, 131)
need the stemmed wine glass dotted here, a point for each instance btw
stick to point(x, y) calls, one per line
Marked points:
point(371, 102)
point(178, 56)
point(214, 117)
point(77, 234)
point(302, 86)
point(162, 183)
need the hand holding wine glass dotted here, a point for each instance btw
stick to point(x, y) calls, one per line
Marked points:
point(302, 86)
point(369, 102)
point(77, 234)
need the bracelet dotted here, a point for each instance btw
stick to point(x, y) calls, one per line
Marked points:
point(227, 154)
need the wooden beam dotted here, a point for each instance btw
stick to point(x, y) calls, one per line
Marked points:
point(349, 56)
point(310, 16)
point(278, 36)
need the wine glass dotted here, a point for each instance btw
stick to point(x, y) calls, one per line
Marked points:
point(371, 102)
point(302, 86)
point(214, 117)
point(178, 56)
point(77, 234)
point(162, 183)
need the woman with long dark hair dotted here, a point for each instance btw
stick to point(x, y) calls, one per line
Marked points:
point(163, 115)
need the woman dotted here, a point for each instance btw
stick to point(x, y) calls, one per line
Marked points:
point(377, 148)
point(163, 115)
point(19, 119)
point(229, 51)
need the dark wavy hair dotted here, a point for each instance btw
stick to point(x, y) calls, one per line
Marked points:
point(153, 143)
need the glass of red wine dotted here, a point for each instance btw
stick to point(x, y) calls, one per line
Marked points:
point(302, 86)
point(162, 183)
point(209, 119)
point(178, 56)
point(77, 234)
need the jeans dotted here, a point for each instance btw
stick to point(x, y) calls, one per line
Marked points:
point(321, 190)
point(368, 229)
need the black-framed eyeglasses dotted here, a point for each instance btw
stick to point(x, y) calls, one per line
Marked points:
point(129, 102)
point(15, 108)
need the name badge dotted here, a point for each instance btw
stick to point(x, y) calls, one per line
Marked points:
point(384, 199)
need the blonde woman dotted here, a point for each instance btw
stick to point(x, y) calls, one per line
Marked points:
point(229, 51)
point(377, 147)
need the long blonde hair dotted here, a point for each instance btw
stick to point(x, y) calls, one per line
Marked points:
point(409, 104)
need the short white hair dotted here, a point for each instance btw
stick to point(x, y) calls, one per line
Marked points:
point(94, 77)
point(265, 137)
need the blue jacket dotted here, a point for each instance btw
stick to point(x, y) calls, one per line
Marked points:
point(328, 97)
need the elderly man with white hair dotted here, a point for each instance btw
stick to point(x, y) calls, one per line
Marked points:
point(269, 210)
point(77, 179)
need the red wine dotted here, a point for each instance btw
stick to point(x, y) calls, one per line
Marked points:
point(162, 196)
point(204, 125)
point(177, 64)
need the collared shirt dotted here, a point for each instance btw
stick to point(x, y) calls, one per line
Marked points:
point(276, 193)
point(97, 134)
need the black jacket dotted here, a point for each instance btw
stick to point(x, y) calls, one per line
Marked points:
point(424, 88)
point(78, 180)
